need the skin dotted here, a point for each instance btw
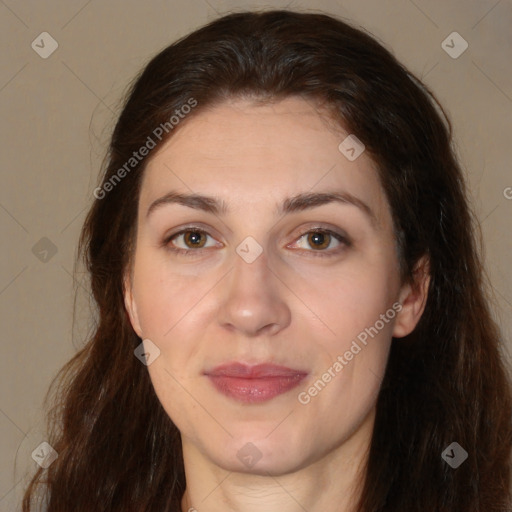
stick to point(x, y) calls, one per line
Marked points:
point(289, 306)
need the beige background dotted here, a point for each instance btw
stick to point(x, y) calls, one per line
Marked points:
point(57, 114)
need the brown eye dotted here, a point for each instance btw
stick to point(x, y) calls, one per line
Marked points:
point(323, 242)
point(319, 240)
point(194, 239)
point(189, 241)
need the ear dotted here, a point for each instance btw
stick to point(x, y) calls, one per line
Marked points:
point(130, 305)
point(413, 298)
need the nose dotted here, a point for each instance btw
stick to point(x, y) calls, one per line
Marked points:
point(252, 299)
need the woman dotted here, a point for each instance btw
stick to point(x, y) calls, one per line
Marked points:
point(291, 309)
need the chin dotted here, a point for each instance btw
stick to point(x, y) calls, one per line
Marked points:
point(259, 453)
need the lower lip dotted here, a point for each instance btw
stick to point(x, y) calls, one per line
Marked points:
point(255, 390)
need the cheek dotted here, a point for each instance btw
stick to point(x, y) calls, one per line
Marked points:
point(355, 305)
point(350, 300)
point(351, 364)
point(164, 297)
point(166, 302)
point(174, 310)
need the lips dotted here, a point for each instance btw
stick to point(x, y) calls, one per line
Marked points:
point(254, 384)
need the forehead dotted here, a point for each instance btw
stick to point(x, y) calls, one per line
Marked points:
point(251, 154)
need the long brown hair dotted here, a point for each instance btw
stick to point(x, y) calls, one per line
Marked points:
point(445, 382)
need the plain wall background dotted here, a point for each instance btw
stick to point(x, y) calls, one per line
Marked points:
point(57, 115)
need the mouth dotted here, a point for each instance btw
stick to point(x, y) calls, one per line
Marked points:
point(254, 384)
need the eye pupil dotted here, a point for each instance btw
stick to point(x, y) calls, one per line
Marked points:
point(194, 237)
point(318, 240)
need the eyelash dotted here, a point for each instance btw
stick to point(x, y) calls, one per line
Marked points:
point(316, 253)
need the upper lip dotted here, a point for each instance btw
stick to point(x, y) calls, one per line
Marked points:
point(257, 371)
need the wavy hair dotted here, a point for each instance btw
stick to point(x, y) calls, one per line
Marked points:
point(447, 381)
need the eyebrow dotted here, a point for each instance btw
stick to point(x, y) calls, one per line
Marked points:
point(299, 202)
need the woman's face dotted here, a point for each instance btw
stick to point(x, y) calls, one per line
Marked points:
point(273, 296)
